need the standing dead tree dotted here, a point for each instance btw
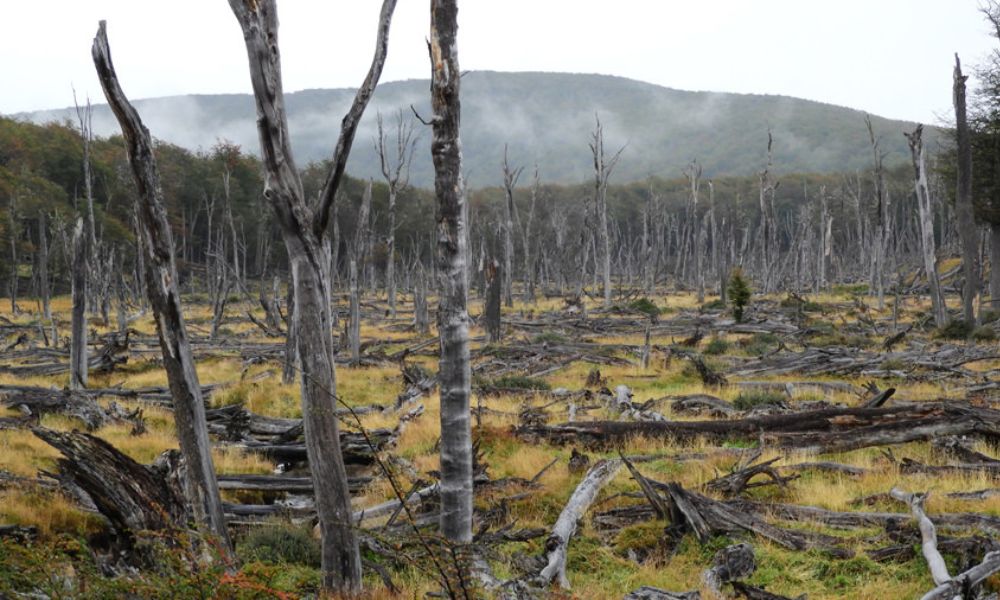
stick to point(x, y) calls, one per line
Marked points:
point(303, 226)
point(510, 177)
point(768, 231)
point(693, 175)
point(454, 370)
point(603, 168)
point(395, 166)
point(78, 336)
point(926, 225)
point(968, 232)
point(200, 484)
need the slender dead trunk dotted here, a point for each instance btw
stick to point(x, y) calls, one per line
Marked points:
point(968, 231)
point(454, 371)
point(995, 265)
point(396, 171)
point(354, 327)
point(603, 168)
point(303, 226)
point(926, 226)
point(161, 285)
point(14, 261)
point(78, 339)
point(510, 177)
point(43, 266)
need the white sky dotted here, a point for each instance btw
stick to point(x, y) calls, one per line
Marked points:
point(889, 57)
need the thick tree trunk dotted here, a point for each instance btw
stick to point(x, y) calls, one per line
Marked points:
point(161, 283)
point(303, 227)
point(454, 371)
point(963, 200)
point(78, 341)
point(926, 226)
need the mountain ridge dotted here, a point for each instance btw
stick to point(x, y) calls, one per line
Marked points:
point(546, 118)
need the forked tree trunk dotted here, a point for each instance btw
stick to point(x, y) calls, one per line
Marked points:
point(968, 231)
point(510, 177)
point(161, 285)
point(926, 226)
point(78, 340)
point(454, 371)
point(303, 227)
point(603, 167)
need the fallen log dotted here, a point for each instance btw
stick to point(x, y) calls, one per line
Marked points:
point(954, 589)
point(817, 431)
point(40, 401)
point(558, 540)
point(928, 534)
point(280, 483)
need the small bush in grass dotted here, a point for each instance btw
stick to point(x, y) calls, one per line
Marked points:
point(989, 315)
point(644, 305)
point(754, 398)
point(716, 304)
point(954, 330)
point(549, 337)
point(760, 343)
point(279, 544)
point(716, 346)
point(739, 293)
point(518, 382)
point(984, 333)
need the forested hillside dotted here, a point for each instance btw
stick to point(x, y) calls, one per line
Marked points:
point(546, 118)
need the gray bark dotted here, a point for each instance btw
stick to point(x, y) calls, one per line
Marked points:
point(995, 266)
point(926, 225)
point(303, 227)
point(603, 167)
point(78, 340)
point(510, 177)
point(968, 232)
point(43, 266)
point(395, 170)
point(161, 285)
point(454, 371)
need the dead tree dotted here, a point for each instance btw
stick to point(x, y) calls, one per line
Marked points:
point(968, 232)
point(454, 372)
point(13, 228)
point(693, 175)
point(361, 236)
point(78, 336)
point(768, 233)
point(491, 315)
point(42, 264)
point(510, 177)
point(926, 225)
point(421, 322)
point(161, 285)
point(303, 226)
point(526, 239)
point(603, 168)
point(396, 172)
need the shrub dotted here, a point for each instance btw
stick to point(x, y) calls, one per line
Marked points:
point(549, 337)
point(739, 293)
point(954, 330)
point(518, 382)
point(760, 343)
point(716, 346)
point(892, 364)
point(644, 305)
point(984, 333)
point(755, 398)
point(716, 304)
point(279, 544)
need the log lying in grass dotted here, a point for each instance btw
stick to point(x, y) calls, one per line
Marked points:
point(280, 483)
point(928, 535)
point(558, 541)
point(39, 401)
point(955, 588)
point(819, 431)
point(132, 496)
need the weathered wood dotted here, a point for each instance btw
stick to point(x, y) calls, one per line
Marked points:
point(955, 589)
point(454, 372)
point(967, 231)
point(40, 401)
point(730, 564)
point(161, 286)
point(78, 335)
point(565, 527)
point(928, 534)
point(303, 228)
point(132, 496)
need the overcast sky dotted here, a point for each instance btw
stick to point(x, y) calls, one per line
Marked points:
point(888, 57)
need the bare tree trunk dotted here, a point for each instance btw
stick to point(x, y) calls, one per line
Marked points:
point(926, 226)
point(43, 266)
point(510, 177)
point(491, 314)
point(396, 171)
point(421, 321)
point(526, 233)
point(969, 233)
point(602, 172)
point(693, 174)
point(303, 227)
point(454, 371)
point(14, 262)
point(78, 341)
point(354, 328)
point(161, 280)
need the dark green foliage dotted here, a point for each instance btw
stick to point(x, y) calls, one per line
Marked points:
point(739, 293)
point(644, 305)
point(517, 382)
point(761, 343)
point(957, 329)
point(716, 304)
point(716, 346)
point(280, 544)
point(755, 398)
point(984, 334)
